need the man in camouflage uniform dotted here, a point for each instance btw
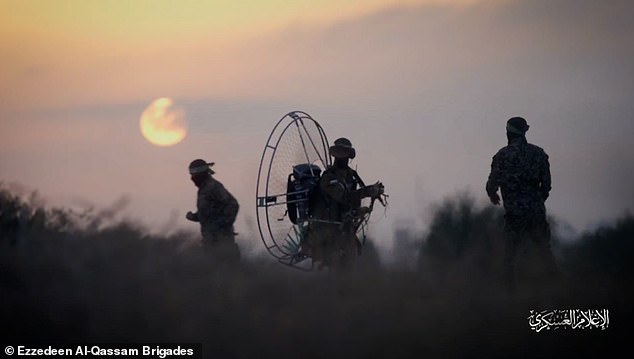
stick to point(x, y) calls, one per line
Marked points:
point(332, 238)
point(522, 172)
point(217, 211)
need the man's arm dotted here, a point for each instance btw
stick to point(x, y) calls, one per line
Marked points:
point(204, 205)
point(372, 191)
point(192, 216)
point(544, 178)
point(493, 183)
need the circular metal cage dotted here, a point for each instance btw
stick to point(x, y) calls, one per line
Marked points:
point(296, 140)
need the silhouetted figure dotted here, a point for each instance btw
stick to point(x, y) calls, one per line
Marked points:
point(216, 212)
point(522, 172)
point(332, 238)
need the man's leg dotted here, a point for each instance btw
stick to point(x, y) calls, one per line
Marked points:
point(541, 237)
point(228, 248)
point(221, 246)
point(347, 251)
point(512, 239)
point(320, 237)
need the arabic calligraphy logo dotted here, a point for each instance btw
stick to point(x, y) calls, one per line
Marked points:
point(569, 318)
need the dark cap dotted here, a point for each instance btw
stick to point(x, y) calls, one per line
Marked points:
point(517, 125)
point(342, 149)
point(200, 166)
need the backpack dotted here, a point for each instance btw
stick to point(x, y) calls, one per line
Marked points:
point(301, 190)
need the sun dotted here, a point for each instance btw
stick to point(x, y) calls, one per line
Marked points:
point(162, 123)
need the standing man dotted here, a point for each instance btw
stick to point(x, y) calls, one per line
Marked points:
point(332, 239)
point(216, 212)
point(522, 172)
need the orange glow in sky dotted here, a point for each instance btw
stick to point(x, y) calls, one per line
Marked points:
point(92, 47)
point(427, 82)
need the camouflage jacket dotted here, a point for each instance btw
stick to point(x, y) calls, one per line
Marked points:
point(522, 172)
point(217, 208)
point(339, 188)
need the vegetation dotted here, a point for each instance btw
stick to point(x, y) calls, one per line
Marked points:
point(71, 277)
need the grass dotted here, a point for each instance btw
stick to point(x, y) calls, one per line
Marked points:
point(66, 278)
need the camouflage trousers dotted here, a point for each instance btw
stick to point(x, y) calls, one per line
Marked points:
point(527, 251)
point(221, 246)
point(331, 247)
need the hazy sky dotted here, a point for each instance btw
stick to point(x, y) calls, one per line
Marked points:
point(422, 88)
